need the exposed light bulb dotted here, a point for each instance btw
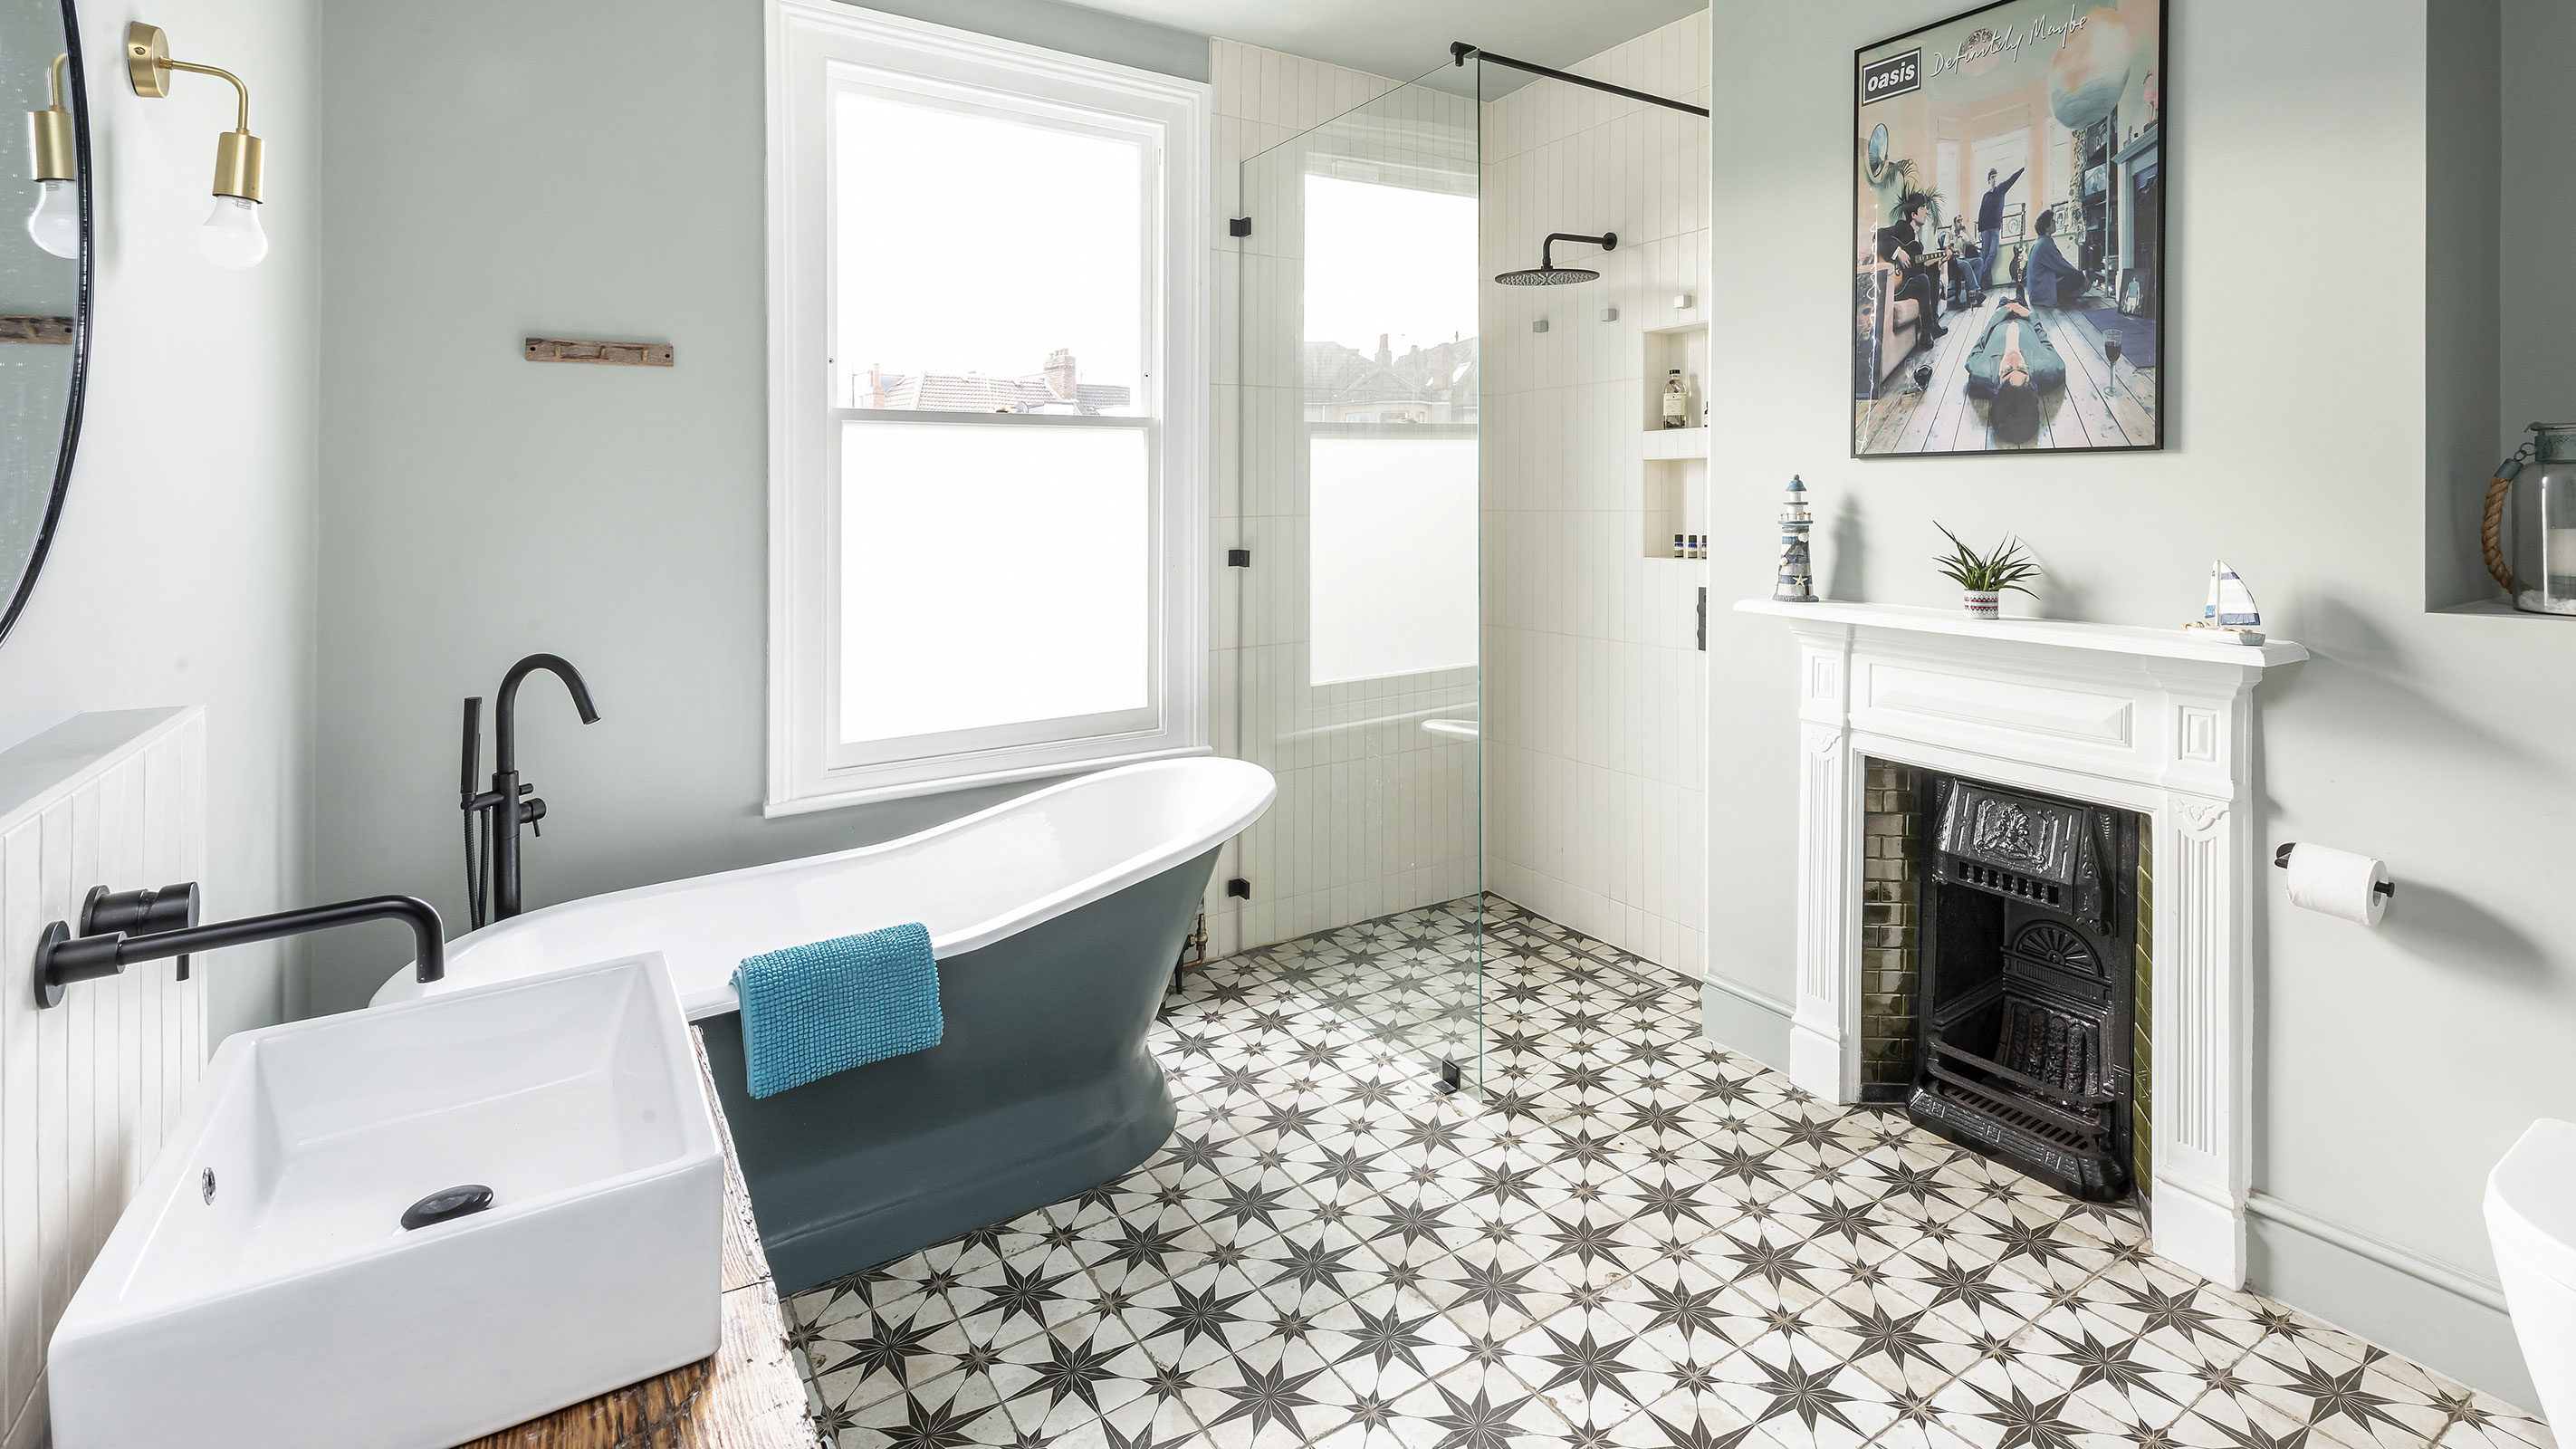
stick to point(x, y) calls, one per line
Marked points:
point(55, 223)
point(231, 237)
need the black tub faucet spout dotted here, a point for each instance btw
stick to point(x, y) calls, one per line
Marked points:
point(506, 804)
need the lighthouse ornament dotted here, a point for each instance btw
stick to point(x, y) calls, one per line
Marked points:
point(1797, 578)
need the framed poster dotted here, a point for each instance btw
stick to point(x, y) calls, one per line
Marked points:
point(2008, 278)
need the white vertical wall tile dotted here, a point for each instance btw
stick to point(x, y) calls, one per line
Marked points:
point(1595, 688)
point(1592, 779)
point(1373, 815)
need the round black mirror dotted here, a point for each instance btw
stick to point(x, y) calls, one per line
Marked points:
point(44, 286)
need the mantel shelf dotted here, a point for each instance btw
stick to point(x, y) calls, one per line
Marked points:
point(2127, 639)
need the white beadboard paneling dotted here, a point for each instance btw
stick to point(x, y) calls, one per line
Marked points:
point(87, 1088)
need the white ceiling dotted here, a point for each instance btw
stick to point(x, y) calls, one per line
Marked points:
point(1401, 39)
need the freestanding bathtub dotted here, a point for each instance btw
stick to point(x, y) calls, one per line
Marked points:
point(1056, 917)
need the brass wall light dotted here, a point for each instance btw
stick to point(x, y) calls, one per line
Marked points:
point(54, 165)
point(231, 236)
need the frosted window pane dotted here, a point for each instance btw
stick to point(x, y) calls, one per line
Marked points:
point(1394, 556)
point(991, 575)
point(985, 263)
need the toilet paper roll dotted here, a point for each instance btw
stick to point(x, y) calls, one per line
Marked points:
point(2337, 883)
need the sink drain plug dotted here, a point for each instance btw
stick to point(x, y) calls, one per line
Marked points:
point(447, 1203)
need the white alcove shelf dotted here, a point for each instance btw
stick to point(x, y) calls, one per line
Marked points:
point(1666, 348)
point(1667, 445)
point(1676, 501)
point(1674, 481)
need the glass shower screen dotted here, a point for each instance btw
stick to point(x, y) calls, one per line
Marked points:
point(1358, 621)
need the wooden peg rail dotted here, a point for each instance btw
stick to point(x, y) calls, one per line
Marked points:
point(17, 328)
point(614, 354)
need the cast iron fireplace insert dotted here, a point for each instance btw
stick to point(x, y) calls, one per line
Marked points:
point(2029, 961)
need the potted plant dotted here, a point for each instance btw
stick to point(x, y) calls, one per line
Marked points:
point(1983, 577)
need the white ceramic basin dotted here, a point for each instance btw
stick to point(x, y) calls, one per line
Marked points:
point(291, 1307)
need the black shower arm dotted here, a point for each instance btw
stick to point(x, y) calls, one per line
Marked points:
point(1460, 51)
point(1608, 241)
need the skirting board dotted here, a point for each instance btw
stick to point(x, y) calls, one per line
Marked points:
point(2485, 1292)
point(2439, 1316)
point(1742, 1019)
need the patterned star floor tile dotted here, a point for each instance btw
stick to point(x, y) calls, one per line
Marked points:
point(1146, 1423)
point(1628, 1239)
point(2014, 1400)
point(2222, 1419)
point(1275, 1394)
point(2481, 1422)
point(2348, 1392)
point(2074, 1346)
point(1802, 1396)
point(2192, 1319)
point(962, 1408)
point(1589, 1367)
point(858, 1359)
point(1477, 1406)
point(1908, 1349)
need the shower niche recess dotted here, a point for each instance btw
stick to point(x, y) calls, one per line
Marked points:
point(1675, 460)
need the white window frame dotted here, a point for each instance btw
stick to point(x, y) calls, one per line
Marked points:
point(817, 47)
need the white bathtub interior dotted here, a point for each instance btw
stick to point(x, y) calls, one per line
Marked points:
point(970, 882)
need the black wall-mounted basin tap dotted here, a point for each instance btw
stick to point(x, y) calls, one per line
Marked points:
point(62, 958)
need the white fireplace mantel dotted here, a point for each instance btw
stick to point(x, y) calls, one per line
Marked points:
point(2157, 721)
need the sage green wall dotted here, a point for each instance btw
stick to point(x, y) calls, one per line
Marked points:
point(2391, 1066)
point(585, 168)
point(182, 568)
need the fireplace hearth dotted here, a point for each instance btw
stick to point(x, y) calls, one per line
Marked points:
point(2029, 929)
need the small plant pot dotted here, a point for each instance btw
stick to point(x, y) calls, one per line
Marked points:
point(1986, 605)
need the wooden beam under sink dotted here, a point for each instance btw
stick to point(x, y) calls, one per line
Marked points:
point(748, 1396)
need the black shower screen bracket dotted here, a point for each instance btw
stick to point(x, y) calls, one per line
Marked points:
point(1460, 52)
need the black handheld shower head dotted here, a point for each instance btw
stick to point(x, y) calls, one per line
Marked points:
point(1548, 274)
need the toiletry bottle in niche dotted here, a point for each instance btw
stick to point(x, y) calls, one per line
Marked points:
point(1680, 548)
point(1676, 401)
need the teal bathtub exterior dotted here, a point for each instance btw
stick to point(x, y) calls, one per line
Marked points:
point(1041, 1086)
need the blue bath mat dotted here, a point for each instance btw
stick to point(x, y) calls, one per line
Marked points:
point(809, 1011)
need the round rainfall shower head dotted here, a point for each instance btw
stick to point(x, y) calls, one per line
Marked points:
point(1548, 274)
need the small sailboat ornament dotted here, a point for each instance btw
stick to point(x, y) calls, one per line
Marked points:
point(2230, 609)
